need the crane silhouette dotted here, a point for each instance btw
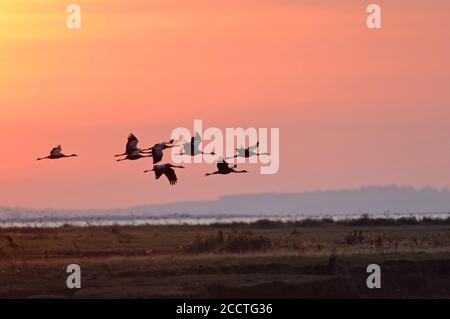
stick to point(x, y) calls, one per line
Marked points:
point(166, 169)
point(248, 152)
point(223, 168)
point(192, 148)
point(157, 150)
point(56, 153)
point(132, 151)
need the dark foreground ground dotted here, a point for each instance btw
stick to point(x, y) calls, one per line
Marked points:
point(261, 260)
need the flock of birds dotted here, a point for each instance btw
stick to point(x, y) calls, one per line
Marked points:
point(133, 152)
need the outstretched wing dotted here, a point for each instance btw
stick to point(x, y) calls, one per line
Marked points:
point(157, 153)
point(171, 176)
point(222, 165)
point(196, 140)
point(254, 147)
point(187, 148)
point(132, 143)
point(56, 151)
point(159, 170)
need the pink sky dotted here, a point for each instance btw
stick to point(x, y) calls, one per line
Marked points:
point(354, 106)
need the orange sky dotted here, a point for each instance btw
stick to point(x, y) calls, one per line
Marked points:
point(354, 106)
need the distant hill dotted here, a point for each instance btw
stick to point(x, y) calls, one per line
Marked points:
point(371, 200)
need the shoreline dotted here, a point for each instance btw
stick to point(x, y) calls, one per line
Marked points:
point(384, 219)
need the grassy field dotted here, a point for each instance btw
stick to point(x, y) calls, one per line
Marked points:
point(260, 260)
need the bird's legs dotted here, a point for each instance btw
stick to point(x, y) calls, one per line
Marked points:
point(134, 157)
point(120, 154)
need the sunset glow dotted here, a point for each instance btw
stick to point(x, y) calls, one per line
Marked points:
point(354, 106)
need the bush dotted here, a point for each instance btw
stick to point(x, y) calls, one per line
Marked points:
point(236, 242)
point(354, 237)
